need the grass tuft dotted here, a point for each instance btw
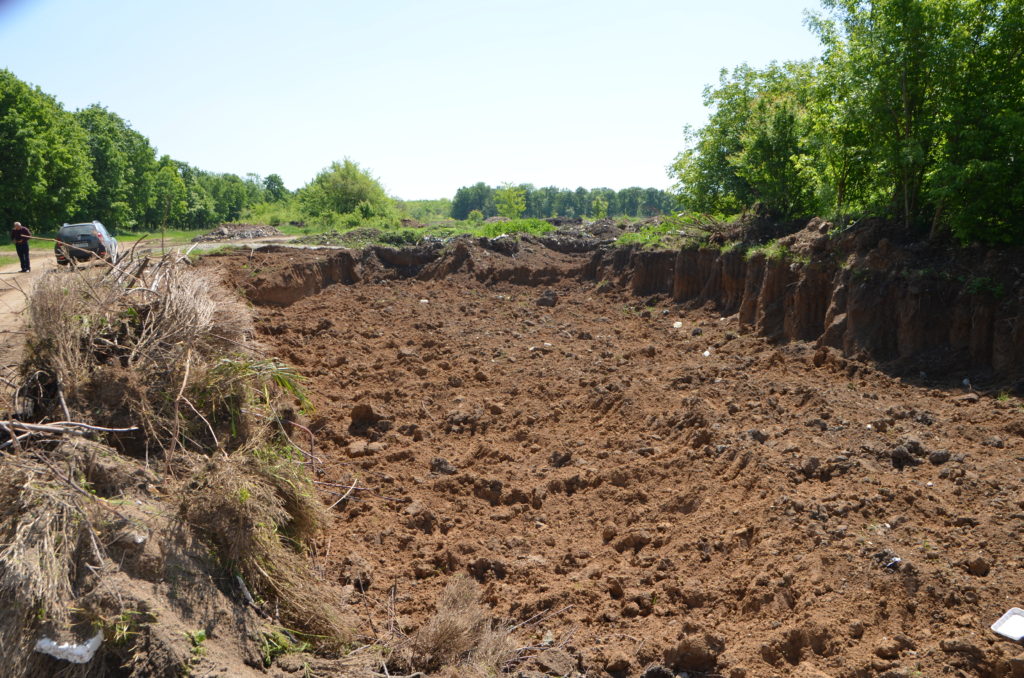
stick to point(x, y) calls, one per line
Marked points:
point(460, 639)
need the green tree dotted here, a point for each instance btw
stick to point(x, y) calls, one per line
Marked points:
point(838, 146)
point(977, 187)
point(630, 200)
point(426, 210)
point(46, 170)
point(510, 200)
point(773, 139)
point(895, 53)
point(122, 160)
point(341, 189)
point(169, 197)
point(599, 207)
point(751, 149)
point(274, 188)
point(915, 111)
point(229, 192)
point(479, 196)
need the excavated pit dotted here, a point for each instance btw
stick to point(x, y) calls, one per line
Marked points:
point(665, 459)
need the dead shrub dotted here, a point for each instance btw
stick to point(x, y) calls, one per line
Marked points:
point(103, 346)
point(460, 639)
point(165, 349)
point(47, 539)
point(259, 509)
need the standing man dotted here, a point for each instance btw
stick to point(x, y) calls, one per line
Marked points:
point(19, 236)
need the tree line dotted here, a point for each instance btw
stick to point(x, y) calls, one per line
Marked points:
point(60, 166)
point(914, 111)
point(538, 203)
point(63, 166)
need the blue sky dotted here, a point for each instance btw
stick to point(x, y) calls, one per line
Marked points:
point(427, 95)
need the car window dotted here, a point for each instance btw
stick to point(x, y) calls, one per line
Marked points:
point(84, 229)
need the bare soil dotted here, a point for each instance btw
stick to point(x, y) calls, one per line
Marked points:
point(15, 287)
point(653, 487)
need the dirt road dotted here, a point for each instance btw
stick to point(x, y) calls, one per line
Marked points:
point(15, 287)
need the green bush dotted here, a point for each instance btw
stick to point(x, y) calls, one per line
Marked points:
point(531, 226)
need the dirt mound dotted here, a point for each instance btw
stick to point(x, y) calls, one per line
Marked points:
point(238, 232)
point(657, 489)
point(279, 276)
point(182, 546)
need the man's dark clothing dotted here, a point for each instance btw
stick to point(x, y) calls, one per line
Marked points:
point(19, 236)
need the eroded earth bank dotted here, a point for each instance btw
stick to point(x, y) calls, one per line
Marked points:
point(756, 468)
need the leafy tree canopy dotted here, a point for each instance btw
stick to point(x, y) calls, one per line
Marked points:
point(914, 111)
point(510, 201)
point(344, 188)
point(46, 171)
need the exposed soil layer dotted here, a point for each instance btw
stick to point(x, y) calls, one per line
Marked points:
point(652, 484)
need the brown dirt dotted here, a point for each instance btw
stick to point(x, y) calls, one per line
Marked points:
point(696, 497)
point(15, 287)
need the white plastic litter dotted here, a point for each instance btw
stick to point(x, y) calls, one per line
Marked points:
point(1011, 624)
point(76, 654)
point(424, 301)
point(677, 324)
point(707, 353)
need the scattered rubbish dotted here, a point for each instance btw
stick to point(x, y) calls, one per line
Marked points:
point(72, 652)
point(707, 353)
point(238, 232)
point(424, 301)
point(677, 324)
point(887, 559)
point(1011, 624)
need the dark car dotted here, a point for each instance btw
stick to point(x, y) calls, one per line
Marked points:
point(82, 242)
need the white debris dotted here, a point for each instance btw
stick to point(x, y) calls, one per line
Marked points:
point(869, 426)
point(677, 324)
point(424, 301)
point(707, 353)
point(76, 654)
point(1011, 624)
